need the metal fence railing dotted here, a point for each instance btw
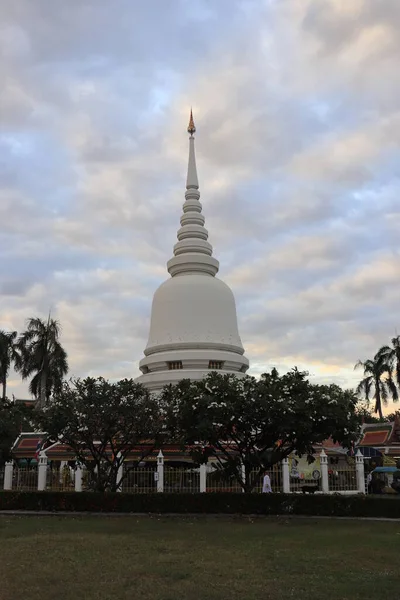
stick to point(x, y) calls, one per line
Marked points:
point(60, 480)
point(25, 479)
point(217, 481)
point(181, 480)
point(275, 476)
point(305, 485)
point(139, 481)
point(342, 480)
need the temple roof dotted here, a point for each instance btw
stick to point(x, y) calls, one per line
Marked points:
point(26, 444)
point(25, 401)
point(380, 434)
point(26, 447)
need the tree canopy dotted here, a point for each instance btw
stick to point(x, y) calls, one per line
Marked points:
point(42, 358)
point(381, 381)
point(103, 422)
point(377, 382)
point(12, 419)
point(257, 423)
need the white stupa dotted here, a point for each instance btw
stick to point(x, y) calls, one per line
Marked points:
point(193, 328)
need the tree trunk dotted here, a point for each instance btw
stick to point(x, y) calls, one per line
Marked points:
point(378, 399)
point(4, 389)
point(248, 484)
point(43, 381)
point(397, 364)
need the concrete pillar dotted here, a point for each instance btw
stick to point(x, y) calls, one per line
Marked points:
point(78, 477)
point(8, 475)
point(160, 472)
point(360, 472)
point(324, 472)
point(203, 478)
point(42, 471)
point(286, 476)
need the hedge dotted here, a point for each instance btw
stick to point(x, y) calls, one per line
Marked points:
point(211, 503)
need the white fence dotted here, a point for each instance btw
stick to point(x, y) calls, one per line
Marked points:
point(217, 482)
point(139, 481)
point(26, 479)
point(345, 479)
point(61, 479)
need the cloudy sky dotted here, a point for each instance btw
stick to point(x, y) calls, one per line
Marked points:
point(297, 108)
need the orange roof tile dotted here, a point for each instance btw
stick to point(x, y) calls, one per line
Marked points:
point(373, 438)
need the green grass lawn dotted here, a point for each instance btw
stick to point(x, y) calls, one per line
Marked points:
point(115, 558)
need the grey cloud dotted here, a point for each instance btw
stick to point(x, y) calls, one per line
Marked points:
point(297, 146)
point(336, 25)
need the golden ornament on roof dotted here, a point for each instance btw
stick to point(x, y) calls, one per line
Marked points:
point(191, 128)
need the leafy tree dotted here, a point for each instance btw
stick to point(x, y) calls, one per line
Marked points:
point(393, 416)
point(103, 422)
point(12, 417)
point(242, 421)
point(377, 382)
point(8, 356)
point(43, 358)
point(365, 414)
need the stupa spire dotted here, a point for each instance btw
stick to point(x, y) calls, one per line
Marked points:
point(191, 127)
point(192, 252)
point(192, 181)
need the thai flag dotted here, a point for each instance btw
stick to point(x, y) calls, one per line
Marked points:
point(38, 448)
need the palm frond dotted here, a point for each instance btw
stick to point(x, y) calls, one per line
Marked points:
point(393, 391)
point(359, 365)
point(364, 388)
point(42, 356)
point(383, 391)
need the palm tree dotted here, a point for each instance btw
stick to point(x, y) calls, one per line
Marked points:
point(377, 382)
point(8, 356)
point(391, 355)
point(42, 358)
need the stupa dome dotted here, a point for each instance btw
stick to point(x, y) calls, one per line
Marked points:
point(193, 327)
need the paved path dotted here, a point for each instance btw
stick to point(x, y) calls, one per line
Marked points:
point(48, 513)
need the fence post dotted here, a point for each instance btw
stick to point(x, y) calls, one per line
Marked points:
point(286, 476)
point(78, 477)
point(203, 478)
point(120, 474)
point(324, 472)
point(360, 472)
point(42, 471)
point(160, 472)
point(8, 475)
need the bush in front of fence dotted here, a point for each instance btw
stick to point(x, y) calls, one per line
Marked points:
point(211, 503)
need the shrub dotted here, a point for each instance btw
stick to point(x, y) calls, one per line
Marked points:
point(210, 503)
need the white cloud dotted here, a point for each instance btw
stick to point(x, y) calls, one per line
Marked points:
point(297, 107)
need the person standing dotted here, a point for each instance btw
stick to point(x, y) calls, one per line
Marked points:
point(369, 480)
point(266, 488)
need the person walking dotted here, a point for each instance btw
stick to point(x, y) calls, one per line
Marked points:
point(266, 488)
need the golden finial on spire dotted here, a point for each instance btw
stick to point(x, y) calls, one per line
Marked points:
point(191, 128)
